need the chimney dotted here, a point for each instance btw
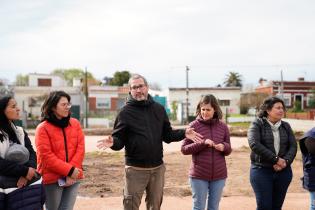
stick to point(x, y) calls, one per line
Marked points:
point(301, 79)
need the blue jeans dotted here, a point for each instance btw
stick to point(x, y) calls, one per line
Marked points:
point(203, 191)
point(270, 187)
point(60, 198)
point(312, 198)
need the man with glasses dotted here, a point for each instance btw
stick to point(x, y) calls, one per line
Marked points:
point(141, 127)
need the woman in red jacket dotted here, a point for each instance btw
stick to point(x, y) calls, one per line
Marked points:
point(60, 151)
point(208, 171)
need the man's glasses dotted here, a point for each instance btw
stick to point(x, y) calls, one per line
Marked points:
point(135, 87)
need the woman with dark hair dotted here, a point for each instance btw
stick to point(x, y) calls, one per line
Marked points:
point(20, 185)
point(60, 147)
point(208, 170)
point(273, 148)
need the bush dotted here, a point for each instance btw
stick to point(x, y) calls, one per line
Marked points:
point(297, 107)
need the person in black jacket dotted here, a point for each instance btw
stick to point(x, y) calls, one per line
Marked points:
point(307, 146)
point(20, 185)
point(141, 127)
point(273, 148)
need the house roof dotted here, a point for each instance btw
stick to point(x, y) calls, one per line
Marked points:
point(294, 83)
point(206, 88)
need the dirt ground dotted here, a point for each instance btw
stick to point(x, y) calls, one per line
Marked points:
point(104, 179)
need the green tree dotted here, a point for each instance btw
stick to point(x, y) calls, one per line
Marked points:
point(233, 79)
point(174, 110)
point(21, 80)
point(70, 74)
point(120, 78)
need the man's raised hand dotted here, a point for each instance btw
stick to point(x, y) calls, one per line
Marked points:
point(105, 143)
point(193, 135)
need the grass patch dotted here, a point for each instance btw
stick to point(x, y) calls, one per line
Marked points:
point(240, 124)
point(238, 115)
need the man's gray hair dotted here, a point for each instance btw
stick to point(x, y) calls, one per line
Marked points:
point(137, 76)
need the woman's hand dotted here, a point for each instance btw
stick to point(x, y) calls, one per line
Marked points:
point(276, 167)
point(22, 182)
point(75, 173)
point(209, 142)
point(30, 174)
point(281, 164)
point(219, 147)
point(69, 181)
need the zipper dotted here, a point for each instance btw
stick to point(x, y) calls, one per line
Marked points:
point(150, 140)
point(65, 142)
point(212, 151)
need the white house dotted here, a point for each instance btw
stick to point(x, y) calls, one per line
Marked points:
point(30, 98)
point(229, 98)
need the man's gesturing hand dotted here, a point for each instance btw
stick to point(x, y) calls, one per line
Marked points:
point(105, 143)
point(193, 135)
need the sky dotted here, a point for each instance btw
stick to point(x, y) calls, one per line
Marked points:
point(158, 39)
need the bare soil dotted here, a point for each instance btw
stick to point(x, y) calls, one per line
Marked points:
point(104, 175)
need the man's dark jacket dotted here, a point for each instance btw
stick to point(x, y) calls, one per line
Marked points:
point(261, 142)
point(141, 127)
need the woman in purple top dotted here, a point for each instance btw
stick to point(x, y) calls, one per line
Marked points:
point(208, 171)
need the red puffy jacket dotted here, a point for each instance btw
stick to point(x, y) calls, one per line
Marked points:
point(51, 152)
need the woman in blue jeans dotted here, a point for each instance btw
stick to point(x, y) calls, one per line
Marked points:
point(208, 170)
point(273, 148)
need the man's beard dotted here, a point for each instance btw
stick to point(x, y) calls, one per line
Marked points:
point(140, 97)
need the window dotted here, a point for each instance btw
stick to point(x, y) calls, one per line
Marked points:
point(44, 82)
point(224, 102)
point(286, 99)
point(103, 103)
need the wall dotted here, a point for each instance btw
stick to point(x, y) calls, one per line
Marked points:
point(310, 115)
point(56, 81)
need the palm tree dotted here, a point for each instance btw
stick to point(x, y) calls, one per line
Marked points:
point(233, 79)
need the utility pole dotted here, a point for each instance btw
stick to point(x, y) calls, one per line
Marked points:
point(86, 98)
point(187, 94)
point(281, 86)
